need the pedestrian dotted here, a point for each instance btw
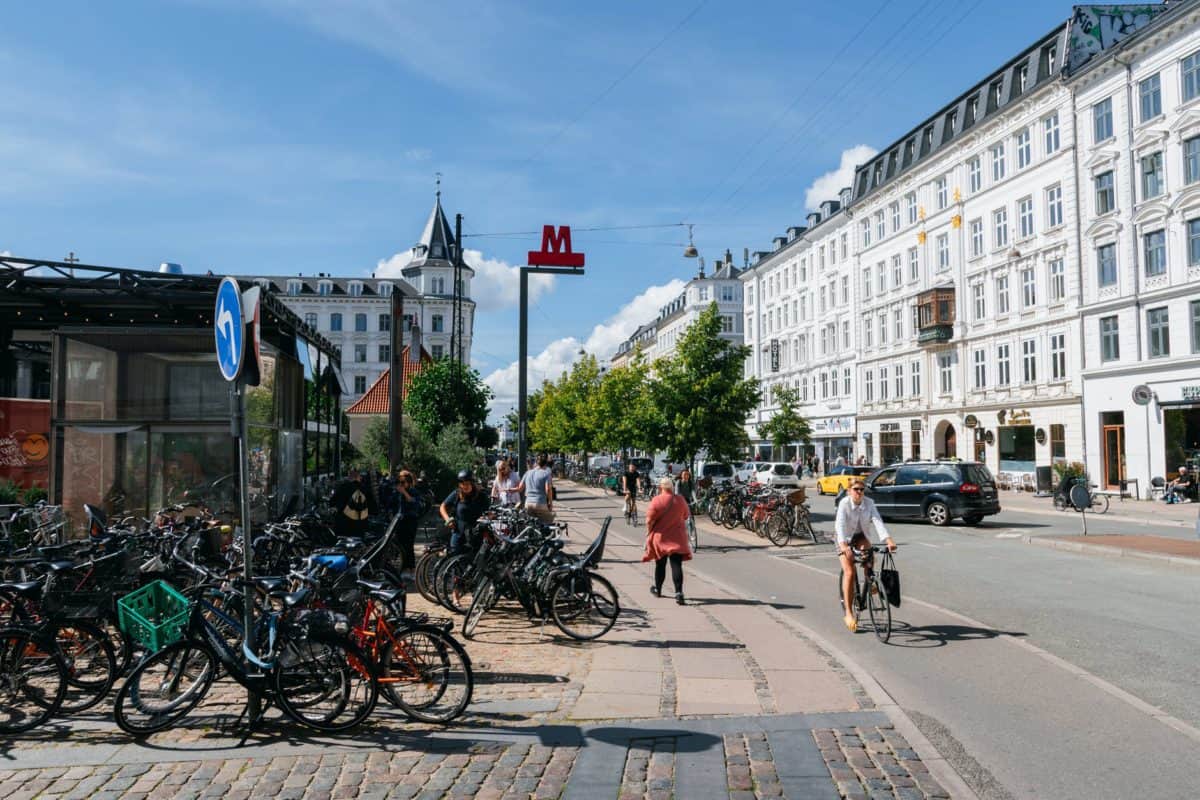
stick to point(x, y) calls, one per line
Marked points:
point(354, 503)
point(462, 508)
point(685, 487)
point(506, 485)
point(666, 537)
point(841, 461)
point(1180, 489)
point(538, 486)
point(410, 507)
point(816, 466)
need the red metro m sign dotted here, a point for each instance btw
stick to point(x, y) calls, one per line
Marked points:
point(556, 249)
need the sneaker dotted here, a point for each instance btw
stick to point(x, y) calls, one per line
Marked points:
point(657, 592)
point(679, 598)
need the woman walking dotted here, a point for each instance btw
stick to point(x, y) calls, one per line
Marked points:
point(506, 487)
point(666, 537)
point(409, 505)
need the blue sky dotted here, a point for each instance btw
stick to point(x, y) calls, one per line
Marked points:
point(284, 136)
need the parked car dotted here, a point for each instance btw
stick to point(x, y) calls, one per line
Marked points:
point(939, 491)
point(777, 475)
point(643, 465)
point(744, 471)
point(837, 481)
point(718, 471)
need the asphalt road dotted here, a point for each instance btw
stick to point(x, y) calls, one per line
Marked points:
point(1015, 720)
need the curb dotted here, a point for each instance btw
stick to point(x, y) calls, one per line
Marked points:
point(1133, 520)
point(1113, 552)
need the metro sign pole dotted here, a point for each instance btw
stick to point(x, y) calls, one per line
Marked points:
point(555, 258)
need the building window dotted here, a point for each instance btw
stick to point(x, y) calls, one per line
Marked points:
point(846, 381)
point(385, 322)
point(324, 288)
point(1028, 288)
point(704, 289)
point(1152, 175)
point(385, 290)
point(866, 274)
point(974, 175)
point(1058, 442)
point(294, 288)
point(914, 264)
point(898, 324)
point(385, 353)
point(910, 202)
point(1054, 206)
point(943, 195)
point(1000, 228)
point(355, 289)
point(1024, 149)
point(726, 323)
point(979, 296)
point(1106, 261)
point(881, 276)
point(437, 351)
point(1102, 121)
point(1191, 160)
point(846, 334)
point(869, 386)
point(335, 322)
point(897, 272)
point(1058, 356)
point(1003, 365)
point(880, 230)
point(943, 251)
point(1050, 129)
point(1150, 96)
point(894, 208)
point(1154, 248)
point(946, 372)
point(437, 285)
point(1160, 340)
point(865, 227)
point(916, 378)
point(437, 326)
point(1058, 281)
point(899, 381)
point(980, 369)
point(998, 162)
point(1025, 217)
point(1106, 199)
point(976, 227)
point(360, 384)
point(881, 320)
point(868, 341)
point(360, 354)
point(1029, 361)
point(845, 289)
point(310, 319)
point(726, 294)
point(845, 246)
point(1110, 339)
point(1002, 294)
point(360, 322)
point(1190, 76)
point(1193, 234)
point(1195, 307)
point(883, 383)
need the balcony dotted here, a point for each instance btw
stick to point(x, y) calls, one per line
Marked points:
point(935, 316)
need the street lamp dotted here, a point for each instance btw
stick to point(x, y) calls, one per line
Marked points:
point(690, 251)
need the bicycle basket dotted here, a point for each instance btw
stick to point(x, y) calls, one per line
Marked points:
point(798, 496)
point(319, 622)
point(155, 615)
point(76, 604)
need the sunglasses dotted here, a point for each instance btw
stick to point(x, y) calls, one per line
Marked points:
point(856, 488)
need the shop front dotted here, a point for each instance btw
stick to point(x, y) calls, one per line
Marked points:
point(833, 438)
point(1014, 439)
point(112, 395)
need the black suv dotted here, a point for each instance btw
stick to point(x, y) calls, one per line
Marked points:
point(938, 491)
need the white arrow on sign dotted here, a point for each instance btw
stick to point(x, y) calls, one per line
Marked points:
point(225, 323)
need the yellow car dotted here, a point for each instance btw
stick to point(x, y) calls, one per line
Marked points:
point(838, 479)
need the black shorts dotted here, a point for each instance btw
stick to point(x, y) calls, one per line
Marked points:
point(859, 541)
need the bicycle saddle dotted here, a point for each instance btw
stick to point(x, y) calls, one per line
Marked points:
point(23, 589)
point(269, 584)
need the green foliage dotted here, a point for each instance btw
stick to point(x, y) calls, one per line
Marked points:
point(446, 392)
point(9, 493)
point(702, 393)
point(563, 423)
point(33, 495)
point(786, 425)
point(622, 411)
point(374, 443)
point(1072, 469)
point(440, 459)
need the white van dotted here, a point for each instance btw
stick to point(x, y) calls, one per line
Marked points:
point(599, 462)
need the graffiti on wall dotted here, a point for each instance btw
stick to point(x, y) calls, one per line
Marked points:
point(1094, 29)
point(24, 442)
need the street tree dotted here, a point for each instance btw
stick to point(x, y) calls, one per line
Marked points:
point(786, 425)
point(702, 393)
point(445, 392)
point(622, 411)
point(563, 424)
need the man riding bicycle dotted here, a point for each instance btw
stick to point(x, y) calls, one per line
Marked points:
point(629, 483)
point(854, 514)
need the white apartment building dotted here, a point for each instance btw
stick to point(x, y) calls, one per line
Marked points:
point(965, 277)
point(1137, 110)
point(800, 325)
point(355, 313)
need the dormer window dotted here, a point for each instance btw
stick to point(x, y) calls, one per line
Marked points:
point(385, 290)
point(1022, 78)
point(356, 288)
point(325, 288)
point(263, 284)
point(294, 288)
point(972, 111)
point(437, 285)
point(437, 251)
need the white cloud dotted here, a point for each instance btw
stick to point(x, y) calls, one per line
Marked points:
point(560, 354)
point(827, 186)
point(496, 285)
point(5, 253)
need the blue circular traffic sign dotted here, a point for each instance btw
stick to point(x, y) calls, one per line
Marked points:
point(229, 330)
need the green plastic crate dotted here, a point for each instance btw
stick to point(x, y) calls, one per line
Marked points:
point(155, 615)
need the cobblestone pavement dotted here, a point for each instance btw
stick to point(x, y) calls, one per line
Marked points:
point(527, 733)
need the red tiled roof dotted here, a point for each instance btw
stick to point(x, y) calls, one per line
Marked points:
point(378, 398)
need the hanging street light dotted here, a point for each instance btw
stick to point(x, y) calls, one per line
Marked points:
point(690, 251)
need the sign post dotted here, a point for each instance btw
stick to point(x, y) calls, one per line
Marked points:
point(555, 258)
point(229, 328)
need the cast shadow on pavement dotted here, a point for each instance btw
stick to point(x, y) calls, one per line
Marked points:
point(743, 601)
point(925, 636)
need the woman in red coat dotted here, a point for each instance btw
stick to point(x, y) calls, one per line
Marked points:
point(666, 537)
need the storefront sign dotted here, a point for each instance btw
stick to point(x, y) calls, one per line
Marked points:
point(774, 355)
point(971, 421)
point(1040, 435)
point(1014, 416)
point(1190, 392)
point(833, 425)
point(991, 437)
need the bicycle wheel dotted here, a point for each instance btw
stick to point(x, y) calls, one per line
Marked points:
point(693, 539)
point(165, 687)
point(424, 573)
point(779, 528)
point(731, 517)
point(804, 521)
point(584, 605)
point(453, 583)
point(90, 663)
point(33, 681)
point(326, 684)
point(1099, 503)
point(879, 609)
point(427, 674)
point(483, 599)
